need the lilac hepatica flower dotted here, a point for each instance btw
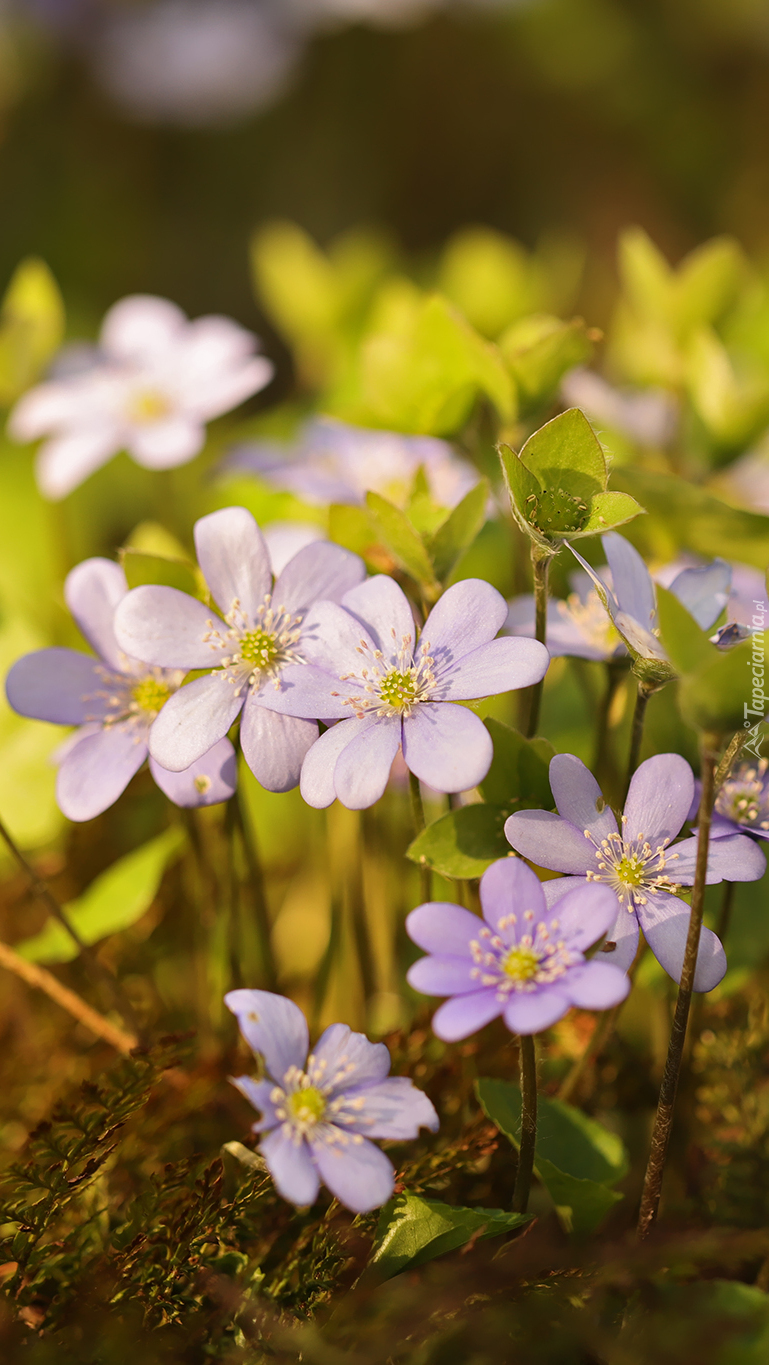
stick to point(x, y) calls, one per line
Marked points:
point(320, 1112)
point(156, 382)
point(579, 626)
point(741, 804)
point(636, 862)
point(257, 641)
point(389, 690)
point(114, 700)
point(526, 962)
point(333, 462)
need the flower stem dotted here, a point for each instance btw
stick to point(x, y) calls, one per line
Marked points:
point(540, 568)
point(46, 981)
point(603, 762)
point(418, 814)
point(360, 924)
point(645, 690)
point(528, 1123)
point(663, 1121)
point(258, 893)
point(725, 913)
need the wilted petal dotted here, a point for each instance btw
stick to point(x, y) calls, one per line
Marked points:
point(234, 560)
point(291, 1167)
point(320, 570)
point(59, 685)
point(213, 778)
point(442, 927)
point(549, 841)
point(357, 1173)
point(446, 746)
point(192, 721)
point(659, 799)
point(363, 767)
point(579, 798)
point(97, 770)
point(465, 1014)
point(273, 1026)
point(499, 666)
point(274, 746)
point(92, 591)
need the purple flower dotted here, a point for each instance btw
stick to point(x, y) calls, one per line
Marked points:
point(579, 626)
point(366, 668)
point(259, 638)
point(319, 1112)
point(639, 865)
point(525, 962)
point(742, 802)
point(114, 700)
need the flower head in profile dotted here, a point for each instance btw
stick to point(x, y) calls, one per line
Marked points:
point(154, 384)
point(250, 648)
point(523, 960)
point(390, 688)
point(331, 461)
point(742, 802)
point(114, 700)
point(637, 860)
point(320, 1112)
point(578, 625)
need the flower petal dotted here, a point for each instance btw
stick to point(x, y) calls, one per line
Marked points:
point(586, 913)
point(284, 539)
point(234, 560)
point(499, 666)
point(258, 1094)
point(563, 634)
point(357, 1173)
point(292, 1168)
point(465, 1014)
point(530, 1012)
point(631, 580)
point(141, 326)
point(167, 627)
point(274, 746)
point(731, 858)
point(665, 923)
point(579, 798)
point(362, 769)
point(624, 938)
point(307, 692)
point(446, 746)
point(332, 639)
point(64, 462)
point(704, 591)
point(348, 1059)
point(59, 685)
point(442, 927)
point(443, 975)
point(165, 444)
point(382, 608)
point(468, 615)
point(92, 591)
point(392, 1108)
point(597, 985)
point(659, 799)
point(319, 570)
point(273, 1026)
point(549, 841)
point(213, 778)
point(510, 887)
point(317, 779)
point(98, 769)
point(192, 721)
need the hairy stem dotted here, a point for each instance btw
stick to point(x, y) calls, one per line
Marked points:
point(46, 981)
point(540, 568)
point(663, 1122)
point(418, 815)
point(731, 752)
point(528, 1123)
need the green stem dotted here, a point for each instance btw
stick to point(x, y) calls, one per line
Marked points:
point(258, 893)
point(234, 936)
point(725, 914)
point(540, 568)
point(645, 690)
point(528, 1124)
point(730, 754)
point(323, 975)
point(616, 670)
point(360, 924)
point(418, 814)
point(663, 1122)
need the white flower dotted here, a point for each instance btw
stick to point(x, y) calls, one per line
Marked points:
point(157, 381)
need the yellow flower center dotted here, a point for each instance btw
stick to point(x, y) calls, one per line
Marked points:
point(399, 690)
point(630, 870)
point(306, 1106)
point(148, 405)
point(521, 964)
point(260, 648)
point(149, 695)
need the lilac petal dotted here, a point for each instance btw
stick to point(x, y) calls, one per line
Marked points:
point(468, 615)
point(557, 887)
point(624, 936)
point(442, 927)
point(59, 685)
point(659, 799)
point(362, 769)
point(192, 721)
point(549, 841)
point(274, 746)
point(563, 634)
point(98, 769)
point(705, 591)
point(382, 607)
point(465, 1014)
point(273, 1026)
point(166, 627)
point(292, 1168)
point(92, 592)
point(307, 692)
point(392, 1108)
point(531, 1012)
point(510, 887)
point(141, 326)
point(332, 638)
point(631, 580)
point(357, 1173)
point(443, 975)
point(731, 858)
point(320, 570)
point(585, 914)
point(167, 443)
point(597, 985)
point(284, 539)
point(64, 462)
point(446, 746)
point(234, 559)
point(578, 797)
point(665, 923)
point(317, 779)
point(721, 827)
point(499, 666)
point(213, 778)
point(349, 1059)
point(258, 1094)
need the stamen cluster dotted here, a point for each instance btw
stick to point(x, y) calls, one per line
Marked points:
point(744, 798)
point(632, 868)
point(592, 620)
point(534, 959)
point(135, 699)
point(259, 648)
point(391, 687)
point(304, 1106)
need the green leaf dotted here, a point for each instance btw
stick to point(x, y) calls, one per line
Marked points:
point(733, 406)
point(351, 527)
point(647, 279)
point(401, 539)
point(566, 454)
point(686, 645)
point(524, 491)
point(539, 351)
point(458, 531)
point(607, 511)
point(462, 843)
point(114, 901)
point(576, 1157)
point(412, 1231)
point(715, 696)
point(707, 283)
point(491, 278)
point(31, 327)
point(692, 519)
point(140, 568)
point(518, 776)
